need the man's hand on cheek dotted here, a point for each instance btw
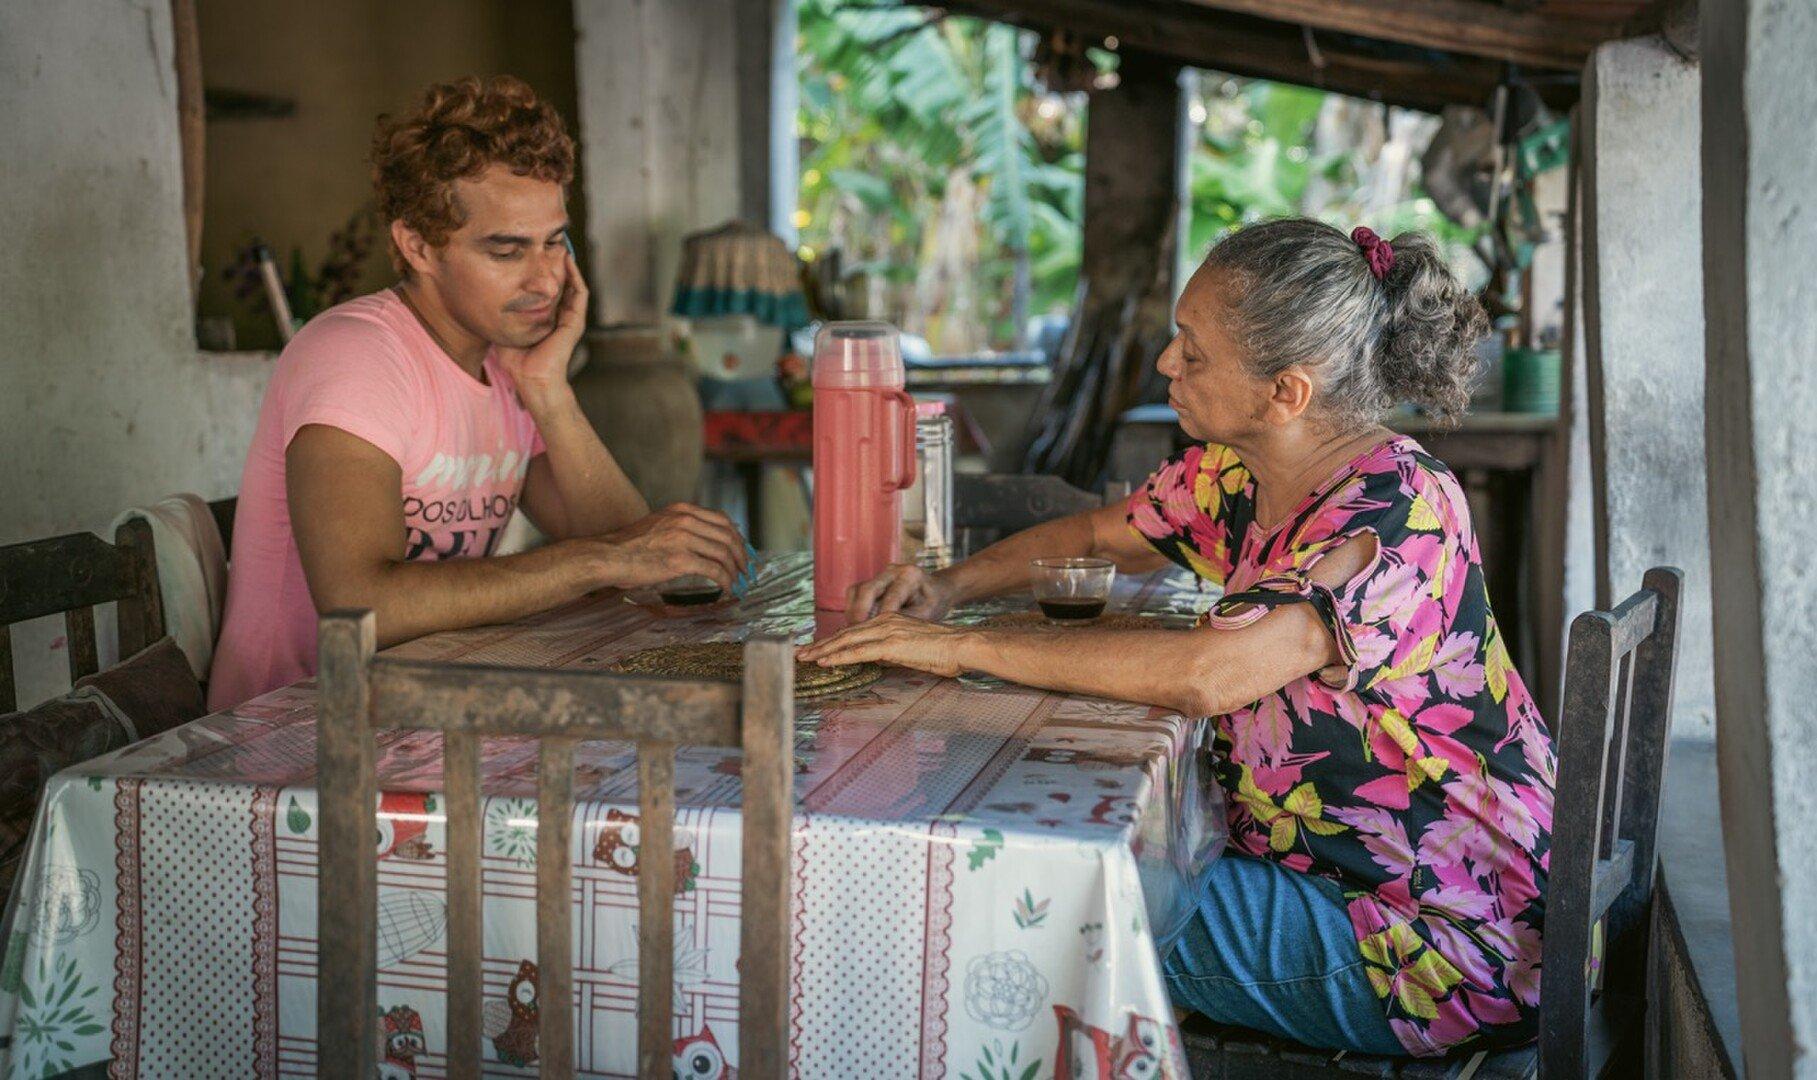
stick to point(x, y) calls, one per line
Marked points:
point(542, 368)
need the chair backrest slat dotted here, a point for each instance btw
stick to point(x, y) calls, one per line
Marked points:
point(139, 613)
point(79, 639)
point(49, 577)
point(347, 821)
point(460, 770)
point(1633, 620)
point(655, 907)
point(554, 908)
point(1582, 743)
point(1614, 761)
point(9, 693)
point(560, 708)
point(502, 701)
point(1650, 695)
point(1611, 742)
point(1612, 877)
point(1009, 502)
point(989, 507)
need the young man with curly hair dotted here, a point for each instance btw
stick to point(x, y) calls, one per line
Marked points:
point(402, 429)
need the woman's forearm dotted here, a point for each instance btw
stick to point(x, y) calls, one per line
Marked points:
point(1203, 672)
point(1003, 567)
point(1117, 664)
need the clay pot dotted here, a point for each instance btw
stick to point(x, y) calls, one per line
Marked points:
point(638, 392)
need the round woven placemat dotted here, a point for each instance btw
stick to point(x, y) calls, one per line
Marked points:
point(724, 661)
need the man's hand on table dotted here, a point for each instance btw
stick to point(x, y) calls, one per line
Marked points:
point(895, 639)
point(670, 542)
point(904, 588)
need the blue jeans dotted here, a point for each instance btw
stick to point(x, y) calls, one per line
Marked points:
point(1271, 949)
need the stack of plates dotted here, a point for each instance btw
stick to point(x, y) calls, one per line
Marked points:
point(723, 661)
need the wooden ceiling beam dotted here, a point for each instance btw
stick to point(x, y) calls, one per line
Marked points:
point(1199, 37)
point(1471, 27)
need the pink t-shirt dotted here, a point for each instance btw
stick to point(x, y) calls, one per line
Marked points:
point(369, 368)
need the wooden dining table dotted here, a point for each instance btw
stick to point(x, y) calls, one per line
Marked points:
point(981, 872)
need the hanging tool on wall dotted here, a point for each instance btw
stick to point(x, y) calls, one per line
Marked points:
point(274, 291)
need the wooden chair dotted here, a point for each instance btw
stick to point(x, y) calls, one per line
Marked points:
point(560, 708)
point(69, 575)
point(1611, 743)
point(990, 506)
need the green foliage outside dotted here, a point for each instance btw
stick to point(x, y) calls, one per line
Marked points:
point(952, 184)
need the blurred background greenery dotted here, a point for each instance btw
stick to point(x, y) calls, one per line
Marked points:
point(950, 182)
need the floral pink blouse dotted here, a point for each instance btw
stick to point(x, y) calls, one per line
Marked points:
point(1418, 775)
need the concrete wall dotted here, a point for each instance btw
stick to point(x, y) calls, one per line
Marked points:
point(295, 180)
point(1760, 223)
point(104, 401)
point(1643, 328)
point(675, 102)
point(659, 106)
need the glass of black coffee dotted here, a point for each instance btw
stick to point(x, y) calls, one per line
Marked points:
point(1072, 591)
point(689, 590)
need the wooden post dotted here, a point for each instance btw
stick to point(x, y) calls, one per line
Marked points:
point(768, 817)
point(655, 908)
point(191, 127)
point(1134, 187)
point(1133, 174)
point(460, 769)
point(555, 909)
point(347, 886)
point(767, 157)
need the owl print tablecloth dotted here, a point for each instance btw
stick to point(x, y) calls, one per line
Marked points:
point(980, 873)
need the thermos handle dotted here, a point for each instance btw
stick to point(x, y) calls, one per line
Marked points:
point(909, 468)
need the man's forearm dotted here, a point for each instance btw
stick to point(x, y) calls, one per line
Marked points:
point(411, 599)
point(596, 497)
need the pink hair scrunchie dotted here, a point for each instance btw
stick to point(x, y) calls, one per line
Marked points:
point(1377, 251)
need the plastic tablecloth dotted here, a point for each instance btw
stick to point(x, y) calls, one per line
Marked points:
point(981, 872)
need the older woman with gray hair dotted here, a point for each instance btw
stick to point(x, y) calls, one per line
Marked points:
point(1389, 779)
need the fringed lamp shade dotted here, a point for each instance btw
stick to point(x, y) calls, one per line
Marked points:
point(740, 269)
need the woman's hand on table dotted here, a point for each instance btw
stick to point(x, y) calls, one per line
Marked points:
point(902, 587)
point(894, 639)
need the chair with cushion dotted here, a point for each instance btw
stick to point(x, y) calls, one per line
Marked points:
point(988, 507)
point(560, 709)
point(147, 694)
point(1611, 743)
point(69, 576)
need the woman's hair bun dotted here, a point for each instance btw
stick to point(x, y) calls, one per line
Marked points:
point(1427, 350)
